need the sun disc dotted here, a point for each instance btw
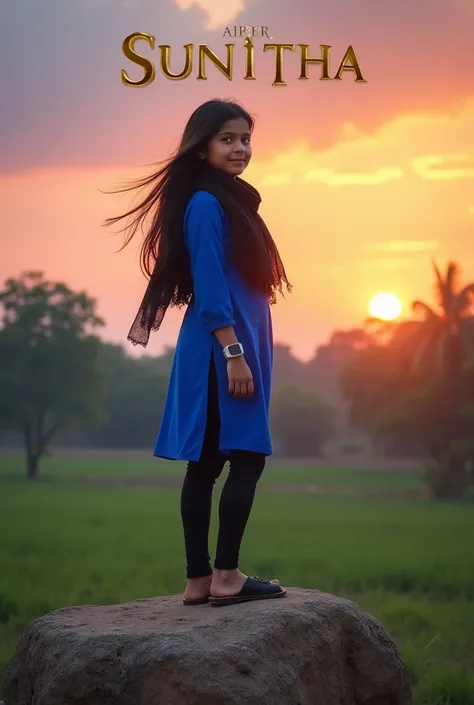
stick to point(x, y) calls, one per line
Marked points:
point(386, 306)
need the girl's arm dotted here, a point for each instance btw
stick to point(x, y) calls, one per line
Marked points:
point(203, 230)
point(226, 336)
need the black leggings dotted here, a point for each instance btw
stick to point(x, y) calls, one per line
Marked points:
point(236, 499)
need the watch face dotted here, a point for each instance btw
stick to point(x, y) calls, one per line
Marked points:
point(234, 349)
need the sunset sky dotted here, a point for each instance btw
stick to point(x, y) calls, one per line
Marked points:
point(362, 183)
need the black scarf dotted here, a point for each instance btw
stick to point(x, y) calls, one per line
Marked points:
point(253, 249)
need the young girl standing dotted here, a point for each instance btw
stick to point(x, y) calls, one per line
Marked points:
point(208, 248)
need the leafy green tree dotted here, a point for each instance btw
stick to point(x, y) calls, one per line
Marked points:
point(51, 372)
point(136, 391)
point(302, 422)
point(388, 401)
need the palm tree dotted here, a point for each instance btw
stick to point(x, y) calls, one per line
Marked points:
point(445, 340)
point(447, 334)
point(433, 348)
point(431, 338)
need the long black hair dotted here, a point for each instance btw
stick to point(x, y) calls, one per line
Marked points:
point(164, 258)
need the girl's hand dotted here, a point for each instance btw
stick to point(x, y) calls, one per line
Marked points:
point(240, 377)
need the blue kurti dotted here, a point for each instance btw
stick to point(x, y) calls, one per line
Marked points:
point(221, 298)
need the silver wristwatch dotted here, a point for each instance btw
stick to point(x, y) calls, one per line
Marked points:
point(233, 350)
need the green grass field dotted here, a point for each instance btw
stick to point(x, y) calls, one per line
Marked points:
point(408, 562)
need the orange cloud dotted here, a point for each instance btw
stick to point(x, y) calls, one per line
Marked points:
point(404, 246)
point(276, 180)
point(218, 13)
point(334, 178)
point(388, 263)
point(438, 167)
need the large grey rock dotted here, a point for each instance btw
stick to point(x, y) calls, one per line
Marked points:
point(309, 648)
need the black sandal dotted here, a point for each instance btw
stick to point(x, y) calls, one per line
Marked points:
point(254, 589)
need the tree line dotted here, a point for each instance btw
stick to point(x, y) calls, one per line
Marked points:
point(408, 385)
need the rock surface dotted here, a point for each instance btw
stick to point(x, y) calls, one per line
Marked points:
point(309, 648)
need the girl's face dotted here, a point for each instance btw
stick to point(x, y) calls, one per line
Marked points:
point(230, 148)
